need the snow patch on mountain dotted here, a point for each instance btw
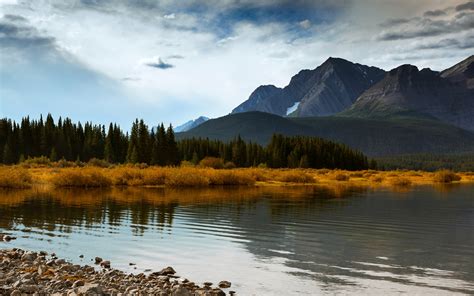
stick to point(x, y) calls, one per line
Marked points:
point(292, 108)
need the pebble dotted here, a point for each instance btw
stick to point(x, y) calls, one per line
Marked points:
point(26, 273)
point(105, 264)
point(224, 284)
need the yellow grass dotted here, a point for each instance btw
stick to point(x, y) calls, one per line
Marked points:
point(446, 176)
point(15, 177)
point(84, 177)
point(20, 176)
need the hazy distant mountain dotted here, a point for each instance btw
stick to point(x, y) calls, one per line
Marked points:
point(190, 124)
point(462, 73)
point(375, 137)
point(407, 89)
point(326, 90)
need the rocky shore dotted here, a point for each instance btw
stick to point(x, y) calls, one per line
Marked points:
point(37, 273)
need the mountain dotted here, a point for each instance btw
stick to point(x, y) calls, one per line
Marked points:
point(326, 90)
point(258, 95)
point(374, 137)
point(191, 124)
point(462, 73)
point(408, 90)
point(253, 126)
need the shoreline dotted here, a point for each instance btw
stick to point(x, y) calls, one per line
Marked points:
point(20, 177)
point(27, 272)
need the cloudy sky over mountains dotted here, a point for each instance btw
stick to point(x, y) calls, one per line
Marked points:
point(175, 60)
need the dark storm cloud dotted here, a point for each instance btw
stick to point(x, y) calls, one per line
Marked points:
point(14, 18)
point(464, 43)
point(426, 27)
point(466, 6)
point(160, 65)
point(395, 22)
point(15, 32)
point(434, 13)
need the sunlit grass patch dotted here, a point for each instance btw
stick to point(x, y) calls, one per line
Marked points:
point(294, 177)
point(15, 177)
point(446, 176)
point(400, 182)
point(186, 178)
point(81, 177)
point(341, 177)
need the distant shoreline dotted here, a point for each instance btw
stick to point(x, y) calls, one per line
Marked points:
point(19, 177)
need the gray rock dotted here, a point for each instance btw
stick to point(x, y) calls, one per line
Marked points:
point(105, 264)
point(180, 291)
point(166, 271)
point(78, 283)
point(91, 289)
point(225, 284)
point(28, 256)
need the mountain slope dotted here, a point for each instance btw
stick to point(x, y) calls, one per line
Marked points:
point(190, 124)
point(253, 126)
point(462, 73)
point(374, 137)
point(407, 89)
point(328, 89)
point(337, 85)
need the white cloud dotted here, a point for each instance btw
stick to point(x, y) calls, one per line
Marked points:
point(306, 24)
point(170, 16)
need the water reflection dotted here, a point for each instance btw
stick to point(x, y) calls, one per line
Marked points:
point(304, 240)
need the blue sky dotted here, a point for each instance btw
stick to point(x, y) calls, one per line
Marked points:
point(176, 60)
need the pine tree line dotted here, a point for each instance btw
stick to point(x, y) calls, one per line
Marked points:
point(158, 146)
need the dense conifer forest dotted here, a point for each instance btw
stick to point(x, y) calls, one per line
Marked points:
point(157, 146)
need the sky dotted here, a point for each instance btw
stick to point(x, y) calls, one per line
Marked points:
point(171, 61)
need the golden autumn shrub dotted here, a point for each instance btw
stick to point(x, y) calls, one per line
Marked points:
point(446, 176)
point(15, 177)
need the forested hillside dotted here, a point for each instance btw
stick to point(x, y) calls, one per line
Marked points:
point(76, 142)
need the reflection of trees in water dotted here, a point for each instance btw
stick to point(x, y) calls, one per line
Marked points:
point(140, 207)
point(60, 210)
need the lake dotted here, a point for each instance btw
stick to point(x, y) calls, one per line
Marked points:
point(266, 241)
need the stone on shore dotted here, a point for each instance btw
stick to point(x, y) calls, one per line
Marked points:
point(224, 284)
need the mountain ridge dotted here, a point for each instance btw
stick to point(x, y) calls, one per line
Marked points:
point(191, 124)
point(408, 89)
point(325, 90)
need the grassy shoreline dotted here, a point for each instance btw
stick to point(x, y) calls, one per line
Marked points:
point(134, 176)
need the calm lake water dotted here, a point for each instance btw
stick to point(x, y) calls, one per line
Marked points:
point(266, 241)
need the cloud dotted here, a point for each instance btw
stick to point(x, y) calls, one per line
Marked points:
point(465, 42)
point(395, 22)
point(170, 16)
point(306, 24)
point(175, 56)
point(14, 18)
point(158, 63)
point(132, 79)
point(434, 13)
point(466, 6)
point(427, 27)
point(15, 32)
